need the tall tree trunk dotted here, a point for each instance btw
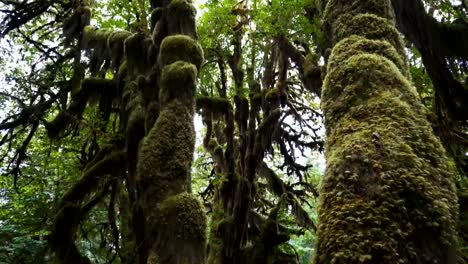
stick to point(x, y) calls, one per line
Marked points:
point(175, 220)
point(388, 193)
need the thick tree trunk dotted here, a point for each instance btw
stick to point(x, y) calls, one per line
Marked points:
point(388, 193)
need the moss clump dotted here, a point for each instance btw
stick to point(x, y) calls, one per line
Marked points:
point(375, 28)
point(180, 48)
point(95, 38)
point(181, 18)
point(178, 81)
point(355, 45)
point(366, 75)
point(115, 46)
point(336, 8)
point(387, 181)
point(166, 154)
point(182, 230)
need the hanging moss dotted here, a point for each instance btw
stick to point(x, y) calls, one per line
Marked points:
point(182, 230)
point(178, 81)
point(78, 75)
point(180, 48)
point(136, 49)
point(336, 8)
point(213, 104)
point(181, 18)
point(95, 38)
point(115, 45)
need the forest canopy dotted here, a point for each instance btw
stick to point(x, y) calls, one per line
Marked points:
point(226, 131)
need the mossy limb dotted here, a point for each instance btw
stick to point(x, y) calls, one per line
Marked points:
point(180, 48)
point(376, 28)
point(355, 45)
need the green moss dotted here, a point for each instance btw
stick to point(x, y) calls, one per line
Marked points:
point(359, 78)
point(388, 178)
point(181, 18)
point(115, 46)
point(185, 214)
point(117, 38)
point(178, 80)
point(375, 27)
point(182, 8)
point(355, 45)
point(166, 154)
point(387, 181)
point(180, 48)
point(95, 38)
point(182, 230)
point(336, 8)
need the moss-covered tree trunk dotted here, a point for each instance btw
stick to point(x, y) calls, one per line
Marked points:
point(175, 220)
point(388, 193)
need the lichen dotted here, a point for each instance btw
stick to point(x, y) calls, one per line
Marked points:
point(180, 48)
point(182, 230)
point(365, 75)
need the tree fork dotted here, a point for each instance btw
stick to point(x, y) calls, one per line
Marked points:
point(388, 194)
